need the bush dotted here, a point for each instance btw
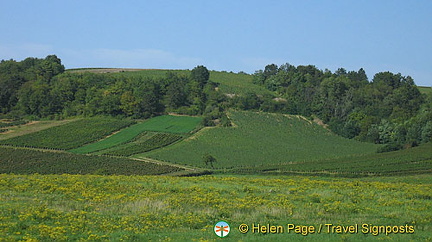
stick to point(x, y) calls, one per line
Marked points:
point(390, 147)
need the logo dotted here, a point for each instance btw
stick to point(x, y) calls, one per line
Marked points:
point(222, 229)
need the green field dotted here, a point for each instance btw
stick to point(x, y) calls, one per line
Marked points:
point(31, 128)
point(261, 138)
point(70, 135)
point(146, 142)
point(166, 123)
point(425, 90)
point(161, 208)
point(172, 124)
point(28, 161)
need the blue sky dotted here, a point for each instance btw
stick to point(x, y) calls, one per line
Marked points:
point(229, 35)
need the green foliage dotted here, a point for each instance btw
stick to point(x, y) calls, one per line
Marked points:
point(201, 75)
point(389, 147)
point(335, 97)
point(209, 160)
point(13, 75)
point(26, 161)
point(261, 138)
point(70, 135)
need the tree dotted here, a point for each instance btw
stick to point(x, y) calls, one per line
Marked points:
point(201, 75)
point(209, 159)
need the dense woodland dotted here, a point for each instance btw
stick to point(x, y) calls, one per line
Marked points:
point(389, 109)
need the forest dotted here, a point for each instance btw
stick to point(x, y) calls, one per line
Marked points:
point(388, 109)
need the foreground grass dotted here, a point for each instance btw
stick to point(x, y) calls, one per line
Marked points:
point(89, 207)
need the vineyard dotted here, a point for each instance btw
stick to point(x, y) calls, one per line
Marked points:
point(70, 135)
point(261, 139)
point(147, 142)
point(26, 161)
point(416, 160)
point(4, 124)
point(161, 208)
point(172, 124)
point(167, 123)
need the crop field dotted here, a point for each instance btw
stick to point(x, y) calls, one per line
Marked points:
point(416, 160)
point(91, 207)
point(70, 135)
point(31, 128)
point(172, 124)
point(28, 161)
point(146, 142)
point(258, 139)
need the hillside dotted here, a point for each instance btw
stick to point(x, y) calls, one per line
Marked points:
point(230, 83)
point(261, 138)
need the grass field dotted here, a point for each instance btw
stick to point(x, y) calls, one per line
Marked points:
point(28, 161)
point(70, 135)
point(88, 207)
point(258, 139)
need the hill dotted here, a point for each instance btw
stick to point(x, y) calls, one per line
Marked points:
point(230, 83)
point(261, 138)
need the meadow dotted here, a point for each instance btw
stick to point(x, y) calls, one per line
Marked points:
point(70, 135)
point(260, 139)
point(99, 208)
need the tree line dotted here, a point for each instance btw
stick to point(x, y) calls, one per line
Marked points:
point(389, 109)
point(40, 88)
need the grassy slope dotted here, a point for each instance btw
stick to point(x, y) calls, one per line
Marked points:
point(143, 208)
point(425, 90)
point(231, 83)
point(261, 138)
